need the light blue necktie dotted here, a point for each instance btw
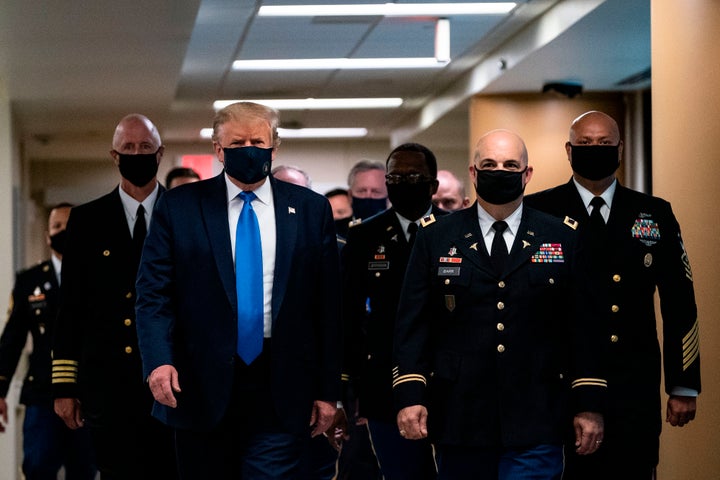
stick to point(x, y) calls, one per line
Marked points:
point(249, 281)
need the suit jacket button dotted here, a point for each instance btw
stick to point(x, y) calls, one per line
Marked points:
point(614, 338)
point(616, 278)
point(500, 327)
point(615, 308)
point(501, 284)
point(447, 281)
point(501, 348)
point(128, 349)
point(500, 305)
point(127, 322)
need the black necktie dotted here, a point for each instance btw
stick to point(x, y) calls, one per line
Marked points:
point(140, 229)
point(412, 230)
point(596, 219)
point(499, 251)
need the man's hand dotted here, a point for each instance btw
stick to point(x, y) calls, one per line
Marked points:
point(338, 431)
point(3, 414)
point(412, 422)
point(163, 382)
point(680, 410)
point(322, 416)
point(589, 431)
point(69, 410)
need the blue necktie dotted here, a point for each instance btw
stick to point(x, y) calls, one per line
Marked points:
point(249, 281)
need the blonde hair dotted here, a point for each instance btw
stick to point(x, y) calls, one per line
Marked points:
point(240, 110)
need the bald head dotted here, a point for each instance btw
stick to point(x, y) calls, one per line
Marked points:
point(500, 145)
point(450, 194)
point(594, 128)
point(136, 134)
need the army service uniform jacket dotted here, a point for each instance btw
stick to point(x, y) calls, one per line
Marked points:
point(33, 307)
point(643, 252)
point(374, 261)
point(95, 349)
point(499, 359)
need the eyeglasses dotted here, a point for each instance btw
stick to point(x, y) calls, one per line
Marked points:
point(412, 178)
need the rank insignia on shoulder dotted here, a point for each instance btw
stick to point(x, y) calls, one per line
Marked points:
point(429, 220)
point(354, 222)
point(571, 222)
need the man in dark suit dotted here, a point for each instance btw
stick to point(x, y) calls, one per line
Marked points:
point(374, 262)
point(494, 353)
point(637, 247)
point(47, 443)
point(97, 370)
point(244, 381)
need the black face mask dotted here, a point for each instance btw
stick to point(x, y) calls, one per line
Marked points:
point(367, 207)
point(248, 164)
point(138, 169)
point(595, 162)
point(58, 241)
point(411, 200)
point(499, 186)
point(342, 225)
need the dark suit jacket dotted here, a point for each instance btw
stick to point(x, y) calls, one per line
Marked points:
point(644, 252)
point(498, 359)
point(95, 348)
point(187, 315)
point(374, 262)
point(33, 309)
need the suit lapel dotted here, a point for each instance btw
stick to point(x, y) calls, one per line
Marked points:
point(286, 230)
point(527, 241)
point(469, 242)
point(213, 204)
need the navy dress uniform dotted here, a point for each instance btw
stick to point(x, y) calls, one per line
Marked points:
point(374, 262)
point(47, 443)
point(95, 350)
point(643, 252)
point(500, 360)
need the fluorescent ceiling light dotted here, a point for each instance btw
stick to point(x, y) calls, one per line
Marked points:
point(308, 132)
point(322, 132)
point(319, 103)
point(338, 63)
point(387, 9)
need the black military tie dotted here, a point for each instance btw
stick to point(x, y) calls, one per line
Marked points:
point(140, 229)
point(412, 230)
point(499, 251)
point(596, 219)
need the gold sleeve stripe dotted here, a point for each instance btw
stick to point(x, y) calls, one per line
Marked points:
point(691, 359)
point(409, 378)
point(692, 336)
point(344, 377)
point(65, 362)
point(64, 380)
point(691, 346)
point(64, 374)
point(589, 382)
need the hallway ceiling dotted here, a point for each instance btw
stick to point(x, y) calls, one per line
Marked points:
point(72, 69)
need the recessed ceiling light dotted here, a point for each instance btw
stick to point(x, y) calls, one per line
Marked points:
point(387, 9)
point(319, 103)
point(339, 63)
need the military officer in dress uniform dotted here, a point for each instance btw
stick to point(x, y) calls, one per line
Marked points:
point(638, 249)
point(47, 443)
point(374, 262)
point(97, 372)
point(494, 353)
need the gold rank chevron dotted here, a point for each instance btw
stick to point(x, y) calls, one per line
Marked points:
point(411, 377)
point(691, 346)
point(589, 382)
point(64, 371)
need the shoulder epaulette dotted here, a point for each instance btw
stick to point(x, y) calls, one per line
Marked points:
point(429, 220)
point(571, 222)
point(354, 222)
